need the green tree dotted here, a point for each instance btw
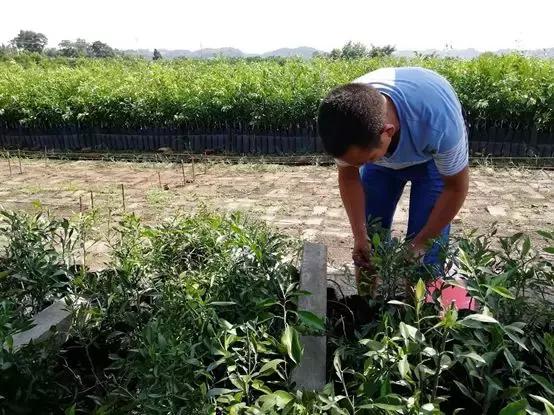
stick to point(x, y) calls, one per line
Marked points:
point(51, 52)
point(76, 49)
point(157, 55)
point(5, 50)
point(336, 53)
point(354, 51)
point(101, 50)
point(29, 41)
point(320, 54)
point(380, 51)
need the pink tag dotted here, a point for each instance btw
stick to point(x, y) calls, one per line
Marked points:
point(450, 294)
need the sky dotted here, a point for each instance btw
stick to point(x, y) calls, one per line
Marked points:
point(256, 26)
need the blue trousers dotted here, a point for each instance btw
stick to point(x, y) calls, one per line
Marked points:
point(383, 187)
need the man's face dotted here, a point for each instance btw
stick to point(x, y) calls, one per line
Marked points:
point(358, 156)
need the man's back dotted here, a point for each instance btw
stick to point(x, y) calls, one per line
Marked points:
point(429, 111)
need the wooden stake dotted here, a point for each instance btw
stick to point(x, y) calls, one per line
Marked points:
point(45, 157)
point(9, 163)
point(183, 171)
point(109, 222)
point(91, 200)
point(19, 160)
point(123, 196)
point(81, 204)
point(204, 163)
point(159, 179)
point(193, 175)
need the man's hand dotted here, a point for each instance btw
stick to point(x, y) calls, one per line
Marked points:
point(360, 254)
point(365, 273)
point(417, 249)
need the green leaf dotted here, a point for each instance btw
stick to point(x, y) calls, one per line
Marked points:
point(404, 367)
point(260, 385)
point(420, 291)
point(222, 303)
point(376, 240)
point(465, 391)
point(215, 364)
point(546, 234)
point(220, 391)
point(482, 318)
point(410, 332)
point(504, 292)
point(519, 341)
point(291, 342)
point(429, 351)
point(384, 406)
point(337, 365)
point(548, 406)
point(236, 409)
point(515, 408)
point(371, 344)
point(547, 386)
point(474, 356)
point(311, 320)
point(282, 398)
point(549, 249)
point(396, 302)
point(428, 407)
point(271, 366)
point(526, 246)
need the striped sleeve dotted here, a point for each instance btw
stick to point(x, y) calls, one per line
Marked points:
point(455, 159)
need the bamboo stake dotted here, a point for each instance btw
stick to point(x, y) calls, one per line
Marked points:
point(183, 171)
point(123, 196)
point(19, 160)
point(9, 163)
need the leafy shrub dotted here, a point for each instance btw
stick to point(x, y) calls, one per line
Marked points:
point(198, 315)
point(272, 93)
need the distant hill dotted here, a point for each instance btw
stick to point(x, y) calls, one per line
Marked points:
point(184, 53)
point(307, 52)
point(301, 52)
point(473, 53)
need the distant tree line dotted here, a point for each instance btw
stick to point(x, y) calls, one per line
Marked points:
point(357, 50)
point(34, 42)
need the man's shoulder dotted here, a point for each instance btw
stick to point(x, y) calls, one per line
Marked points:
point(398, 72)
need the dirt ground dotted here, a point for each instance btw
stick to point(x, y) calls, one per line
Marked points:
point(302, 201)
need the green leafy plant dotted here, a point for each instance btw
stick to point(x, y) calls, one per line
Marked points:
point(199, 315)
point(271, 93)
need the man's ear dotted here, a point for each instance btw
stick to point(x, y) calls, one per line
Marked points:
point(389, 129)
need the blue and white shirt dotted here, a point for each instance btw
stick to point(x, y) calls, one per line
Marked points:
point(430, 115)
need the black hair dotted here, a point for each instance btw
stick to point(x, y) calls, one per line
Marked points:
point(350, 115)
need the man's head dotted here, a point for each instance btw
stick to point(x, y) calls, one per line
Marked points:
point(353, 126)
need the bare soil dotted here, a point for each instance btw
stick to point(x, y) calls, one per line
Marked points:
point(301, 201)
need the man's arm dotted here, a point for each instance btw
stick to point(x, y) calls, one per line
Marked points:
point(447, 206)
point(352, 195)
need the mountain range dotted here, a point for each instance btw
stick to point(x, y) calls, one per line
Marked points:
point(302, 52)
point(307, 52)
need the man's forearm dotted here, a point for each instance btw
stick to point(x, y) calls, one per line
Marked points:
point(352, 195)
point(447, 206)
